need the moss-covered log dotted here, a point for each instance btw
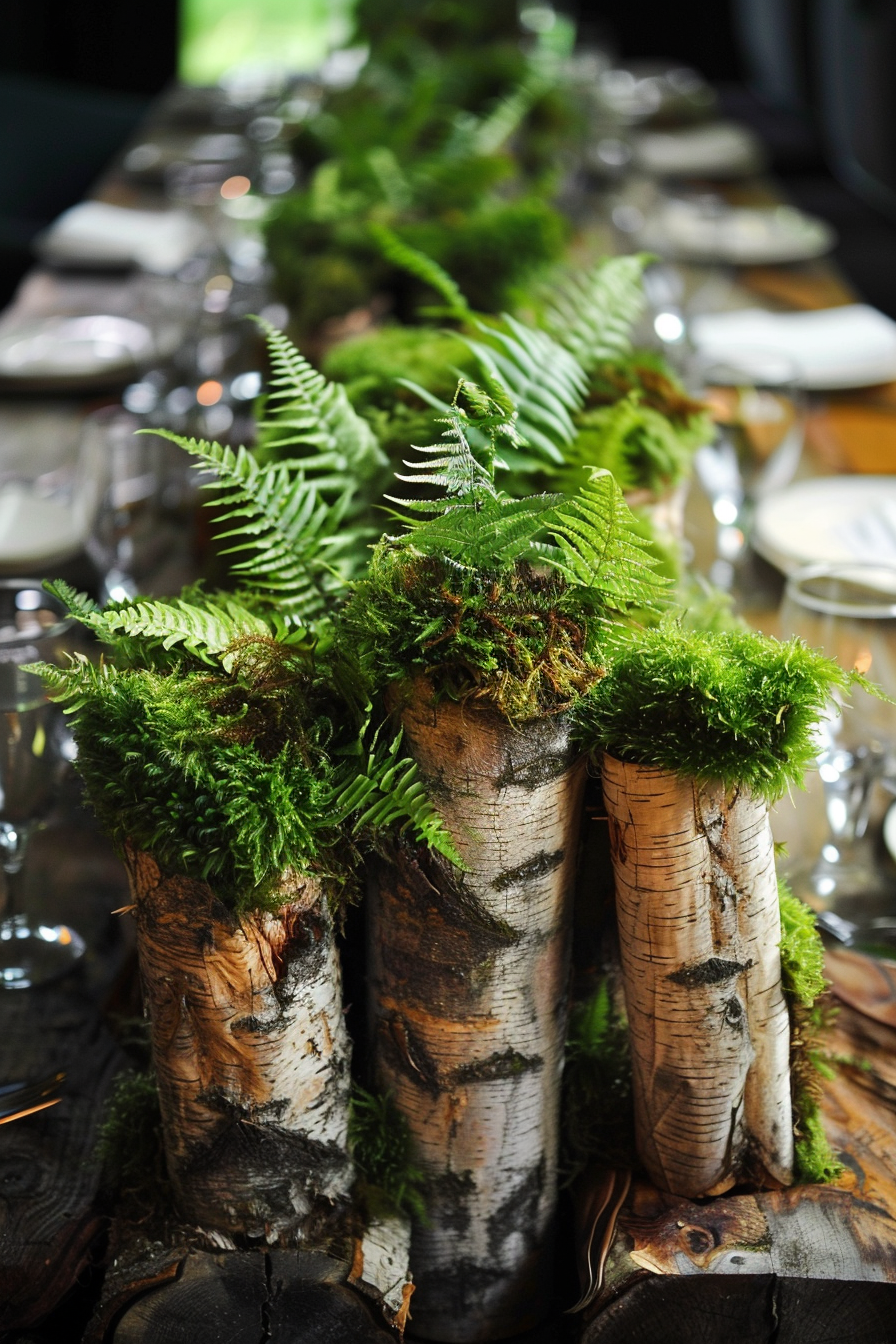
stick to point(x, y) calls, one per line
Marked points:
point(699, 932)
point(468, 975)
point(251, 1054)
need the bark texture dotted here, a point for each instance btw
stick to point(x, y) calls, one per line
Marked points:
point(699, 933)
point(251, 1053)
point(469, 982)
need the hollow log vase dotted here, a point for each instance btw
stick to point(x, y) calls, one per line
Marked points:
point(468, 974)
point(699, 934)
point(251, 1055)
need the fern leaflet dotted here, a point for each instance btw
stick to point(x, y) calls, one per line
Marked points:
point(591, 313)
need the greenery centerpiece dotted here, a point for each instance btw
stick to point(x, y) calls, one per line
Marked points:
point(227, 749)
point(482, 621)
point(698, 734)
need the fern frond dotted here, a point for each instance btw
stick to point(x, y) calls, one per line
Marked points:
point(292, 536)
point(418, 264)
point(491, 537)
point(465, 473)
point(77, 682)
point(386, 794)
point(304, 410)
point(205, 631)
point(544, 382)
point(591, 313)
point(598, 547)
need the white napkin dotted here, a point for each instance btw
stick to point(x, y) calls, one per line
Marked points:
point(715, 149)
point(853, 346)
point(96, 234)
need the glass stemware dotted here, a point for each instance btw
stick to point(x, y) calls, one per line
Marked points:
point(759, 414)
point(849, 611)
point(32, 760)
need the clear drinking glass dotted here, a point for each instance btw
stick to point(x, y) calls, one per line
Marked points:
point(848, 610)
point(32, 760)
point(759, 413)
point(125, 540)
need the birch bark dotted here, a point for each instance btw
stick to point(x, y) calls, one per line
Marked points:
point(699, 932)
point(468, 977)
point(251, 1054)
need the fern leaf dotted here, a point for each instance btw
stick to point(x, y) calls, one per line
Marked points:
point(542, 379)
point(418, 264)
point(465, 473)
point(204, 631)
point(591, 313)
point(598, 547)
point(306, 411)
point(293, 538)
point(387, 794)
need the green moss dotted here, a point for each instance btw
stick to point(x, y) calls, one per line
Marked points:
point(225, 777)
point(737, 706)
point(802, 978)
point(129, 1141)
point(501, 635)
point(370, 365)
point(390, 1182)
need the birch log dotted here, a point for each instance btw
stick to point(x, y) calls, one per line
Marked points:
point(251, 1054)
point(699, 933)
point(468, 979)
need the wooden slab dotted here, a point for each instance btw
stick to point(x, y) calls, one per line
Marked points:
point(811, 1264)
point(198, 1297)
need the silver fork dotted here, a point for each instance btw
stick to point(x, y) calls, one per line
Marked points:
point(18, 1099)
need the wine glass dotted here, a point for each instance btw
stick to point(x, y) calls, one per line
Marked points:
point(125, 541)
point(32, 761)
point(848, 610)
point(759, 414)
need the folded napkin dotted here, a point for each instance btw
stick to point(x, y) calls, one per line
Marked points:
point(717, 149)
point(852, 346)
point(96, 234)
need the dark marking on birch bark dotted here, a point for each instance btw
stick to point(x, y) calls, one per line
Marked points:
point(536, 867)
point(713, 971)
point(430, 947)
point(531, 775)
point(508, 1064)
point(736, 1015)
point(518, 1214)
point(448, 1193)
point(249, 1166)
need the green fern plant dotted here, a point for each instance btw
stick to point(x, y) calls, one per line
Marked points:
point(304, 410)
point(591, 313)
point(292, 541)
point(491, 595)
point(229, 753)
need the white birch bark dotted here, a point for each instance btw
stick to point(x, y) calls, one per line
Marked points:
point(251, 1054)
point(469, 988)
point(699, 933)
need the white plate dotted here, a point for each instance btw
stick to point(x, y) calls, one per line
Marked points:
point(86, 351)
point(688, 231)
point(717, 149)
point(827, 520)
point(833, 348)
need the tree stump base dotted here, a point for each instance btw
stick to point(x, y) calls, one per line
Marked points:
point(804, 1265)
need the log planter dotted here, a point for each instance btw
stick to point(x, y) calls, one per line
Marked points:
point(699, 933)
point(468, 982)
point(251, 1054)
